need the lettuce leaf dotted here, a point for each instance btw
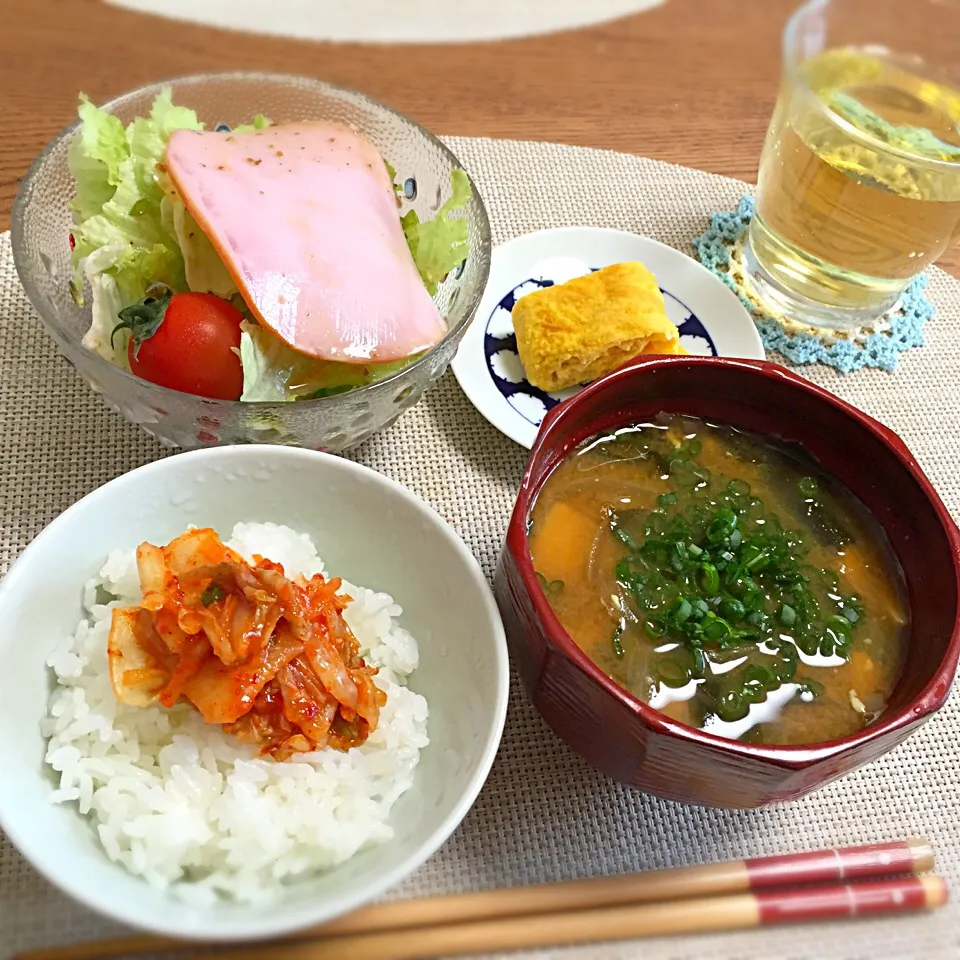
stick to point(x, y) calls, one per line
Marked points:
point(439, 245)
point(107, 303)
point(147, 138)
point(102, 141)
point(203, 267)
point(94, 159)
point(267, 366)
point(259, 122)
point(121, 214)
point(392, 174)
point(272, 372)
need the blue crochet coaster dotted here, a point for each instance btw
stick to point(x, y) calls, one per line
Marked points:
point(880, 344)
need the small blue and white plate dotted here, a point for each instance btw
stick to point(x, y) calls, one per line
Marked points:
point(711, 319)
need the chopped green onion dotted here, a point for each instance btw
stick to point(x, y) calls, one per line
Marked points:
point(700, 608)
point(617, 644)
point(851, 608)
point(722, 526)
point(850, 613)
point(787, 615)
point(754, 600)
point(731, 706)
point(812, 687)
point(716, 628)
point(785, 666)
point(710, 567)
point(709, 578)
point(828, 645)
point(702, 476)
point(756, 619)
point(732, 608)
point(626, 539)
point(754, 557)
point(212, 594)
point(757, 680)
point(757, 673)
point(681, 610)
point(672, 673)
point(808, 644)
point(699, 661)
point(841, 627)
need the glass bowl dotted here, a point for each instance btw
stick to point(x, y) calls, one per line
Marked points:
point(42, 222)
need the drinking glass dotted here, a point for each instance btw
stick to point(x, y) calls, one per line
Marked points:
point(859, 182)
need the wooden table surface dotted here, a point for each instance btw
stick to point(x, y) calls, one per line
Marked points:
point(692, 81)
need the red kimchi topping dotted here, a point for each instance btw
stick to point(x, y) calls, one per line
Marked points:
point(268, 658)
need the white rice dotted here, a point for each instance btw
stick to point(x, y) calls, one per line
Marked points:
point(185, 805)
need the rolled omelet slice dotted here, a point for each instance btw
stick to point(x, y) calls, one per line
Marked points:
point(575, 332)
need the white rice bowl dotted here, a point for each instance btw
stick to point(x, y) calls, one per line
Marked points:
point(188, 807)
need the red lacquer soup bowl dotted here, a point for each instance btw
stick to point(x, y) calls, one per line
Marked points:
point(633, 742)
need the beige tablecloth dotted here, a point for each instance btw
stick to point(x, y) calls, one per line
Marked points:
point(544, 814)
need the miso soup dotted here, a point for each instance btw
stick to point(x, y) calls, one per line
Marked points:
point(724, 579)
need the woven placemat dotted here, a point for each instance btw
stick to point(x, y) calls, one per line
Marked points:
point(544, 815)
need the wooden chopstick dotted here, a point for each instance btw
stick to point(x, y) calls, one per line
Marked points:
point(685, 883)
point(706, 914)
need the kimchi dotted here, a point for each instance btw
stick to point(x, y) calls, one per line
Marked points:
point(269, 658)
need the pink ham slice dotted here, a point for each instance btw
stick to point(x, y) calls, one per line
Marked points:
point(306, 221)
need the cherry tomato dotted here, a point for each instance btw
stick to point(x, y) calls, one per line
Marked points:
point(194, 348)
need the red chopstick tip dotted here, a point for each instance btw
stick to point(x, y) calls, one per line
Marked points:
point(923, 856)
point(836, 900)
point(935, 891)
point(846, 863)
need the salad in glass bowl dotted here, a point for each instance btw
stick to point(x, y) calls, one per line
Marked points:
point(250, 257)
